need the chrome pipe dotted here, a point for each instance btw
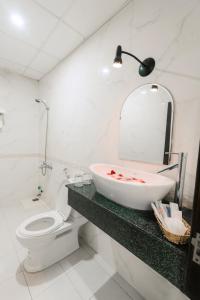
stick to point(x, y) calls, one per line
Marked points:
point(181, 166)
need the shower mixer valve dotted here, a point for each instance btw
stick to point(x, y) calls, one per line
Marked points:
point(45, 166)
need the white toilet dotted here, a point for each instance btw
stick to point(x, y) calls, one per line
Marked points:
point(50, 236)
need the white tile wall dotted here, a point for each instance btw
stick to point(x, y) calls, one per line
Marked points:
point(19, 138)
point(79, 87)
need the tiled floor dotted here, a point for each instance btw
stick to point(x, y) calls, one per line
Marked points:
point(81, 276)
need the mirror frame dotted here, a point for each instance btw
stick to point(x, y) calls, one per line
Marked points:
point(169, 124)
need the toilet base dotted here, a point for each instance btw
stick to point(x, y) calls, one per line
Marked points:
point(61, 246)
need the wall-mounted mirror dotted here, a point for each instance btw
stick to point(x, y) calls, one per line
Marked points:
point(146, 125)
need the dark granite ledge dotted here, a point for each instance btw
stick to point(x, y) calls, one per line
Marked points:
point(136, 230)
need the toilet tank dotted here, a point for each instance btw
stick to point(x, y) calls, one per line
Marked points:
point(62, 204)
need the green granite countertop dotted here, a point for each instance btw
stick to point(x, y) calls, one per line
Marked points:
point(136, 230)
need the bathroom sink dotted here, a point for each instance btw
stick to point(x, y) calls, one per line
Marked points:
point(131, 188)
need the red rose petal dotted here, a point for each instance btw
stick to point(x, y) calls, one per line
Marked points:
point(112, 172)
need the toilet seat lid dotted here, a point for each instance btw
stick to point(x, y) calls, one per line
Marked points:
point(41, 224)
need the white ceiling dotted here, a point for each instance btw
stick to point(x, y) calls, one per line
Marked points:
point(51, 30)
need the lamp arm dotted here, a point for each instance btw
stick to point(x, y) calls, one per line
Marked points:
point(135, 58)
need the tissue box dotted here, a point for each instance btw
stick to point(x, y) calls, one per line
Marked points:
point(176, 239)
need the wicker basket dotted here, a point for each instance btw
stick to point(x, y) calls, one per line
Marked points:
point(176, 239)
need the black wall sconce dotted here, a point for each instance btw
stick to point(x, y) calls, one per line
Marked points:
point(145, 68)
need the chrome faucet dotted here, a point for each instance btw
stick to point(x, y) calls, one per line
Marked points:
point(44, 166)
point(181, 165)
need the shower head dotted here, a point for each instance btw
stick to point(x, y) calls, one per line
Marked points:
point(41, 101)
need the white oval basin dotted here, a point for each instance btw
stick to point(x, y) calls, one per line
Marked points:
point(131, 188)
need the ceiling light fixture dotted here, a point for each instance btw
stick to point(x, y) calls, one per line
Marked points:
point(145, 68)
point(17, 20)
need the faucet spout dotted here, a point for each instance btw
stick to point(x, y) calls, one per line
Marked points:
point(172, 167)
